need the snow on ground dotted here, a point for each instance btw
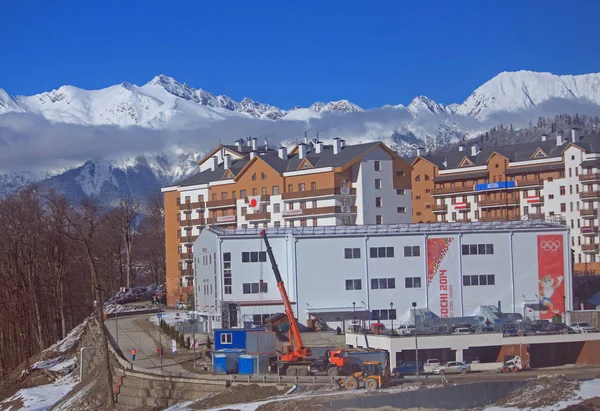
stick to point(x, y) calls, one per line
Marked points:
point(69, 404)
point(118, 308)
point(60, 364)
point(171, 317)
point(41, 397)
point(587, 390)
point(70, 341)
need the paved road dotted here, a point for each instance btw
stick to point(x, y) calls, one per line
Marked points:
point(138, 332)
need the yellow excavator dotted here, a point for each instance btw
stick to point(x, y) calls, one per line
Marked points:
point(373, 376)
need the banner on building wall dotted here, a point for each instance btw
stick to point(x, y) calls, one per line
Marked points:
point(442, 276)
point(551, 275)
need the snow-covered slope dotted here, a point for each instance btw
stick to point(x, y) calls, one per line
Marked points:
point(187, 122)
point(522, 90)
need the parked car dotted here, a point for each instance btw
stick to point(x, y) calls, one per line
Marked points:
point(407, 368)
point(509, 330)
point(452, 367)
point(378, 328)
point(406, 329)
point(432, 362)
point(462, 331)
point(559, 328)
point(582, 327)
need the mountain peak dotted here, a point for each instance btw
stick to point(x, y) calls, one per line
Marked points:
point(162, 80)
point(338, 106)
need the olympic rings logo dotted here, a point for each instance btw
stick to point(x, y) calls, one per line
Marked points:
point(550, 245)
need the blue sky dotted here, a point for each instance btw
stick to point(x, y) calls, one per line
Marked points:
point(283, 53)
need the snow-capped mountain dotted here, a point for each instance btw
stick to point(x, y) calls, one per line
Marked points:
point(145, 137)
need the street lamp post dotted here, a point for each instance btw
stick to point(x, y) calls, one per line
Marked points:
point(354, 316)
point(414, 305)
point(194, 334)
point(392, 318)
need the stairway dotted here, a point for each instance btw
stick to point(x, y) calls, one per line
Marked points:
point(141, 391)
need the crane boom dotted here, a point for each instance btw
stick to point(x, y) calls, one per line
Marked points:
point(296, 350)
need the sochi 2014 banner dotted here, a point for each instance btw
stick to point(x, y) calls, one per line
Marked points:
point(443, 287)
point(551, 274)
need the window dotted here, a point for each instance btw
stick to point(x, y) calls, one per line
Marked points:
point(243, 194)
point(381, 252)
point(399, 173)
point(301, 187)
point(378, 220)
point(263, 176)
point(313, 185)
point(315, 222)
point(475, 249)
point(275, 190)
point(353, 285)
point(384, 314)
point(570, 189)
point(350, 253)
point(383, 283)
point(570, 172)
point(550, 196)
point(277, 224)
point(377, 184)
point(377, 164)
point(254, 288)
point(226, 338)
point(254, 256)
point(412, 251)
point(314, 204)
point(412, 282)
point(378, 202)
point(563, 207)
point(303, 222)
point(253, 176)
point(418, 178)
point(481, 279)
point(562, 190)
point(276, 208)
point(290, 188)
point(263, 191)
point(401, 209)
point(244, 210)
point(227, 273)
point(400, 191)
point(426, 177)
point(302, 205)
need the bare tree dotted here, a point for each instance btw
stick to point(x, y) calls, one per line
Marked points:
point(123, 220)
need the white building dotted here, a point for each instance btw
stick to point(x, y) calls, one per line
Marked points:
point(377, 272)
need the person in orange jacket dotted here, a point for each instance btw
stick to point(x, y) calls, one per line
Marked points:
point(133, 353)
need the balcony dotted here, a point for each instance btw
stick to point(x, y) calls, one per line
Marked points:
point(264, 198)
point(439, 208)
point(589, 178)
point(589, 231)
point(186, 256)
point(530, 183)
point(188, 239)
point(589, 248)
point(258, 217)
point(452, 190)
point(534, 200)
point(536, 216)
point(589, 213)
point(221, 203)
point(189, 223)
point(499, 202)
point(323, 192)
point(192, 206)
point(589, 195)
point(223, 219)
point(305, 212)
point(500, 217)
point(186, 271)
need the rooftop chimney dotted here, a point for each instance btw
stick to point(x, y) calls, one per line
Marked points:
point(237, 144)
point(544, 137)
point(337, 145)
point(249, 141)
point(575, 135)
point(226, 161)
point(305, 138)
point(461, 147)
point(282, 153)
point(252, 154)
point(421, 151)
point(343, 143)
point(318, 147)
point(214, 163)
point(474, 149)
point(302, 150)
point(253, 143)
point(559, 140)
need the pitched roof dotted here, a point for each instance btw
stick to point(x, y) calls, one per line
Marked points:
point(515, 152)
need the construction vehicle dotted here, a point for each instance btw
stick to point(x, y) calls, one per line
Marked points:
point(296, 358)
point(513, 363)
point(373, 376)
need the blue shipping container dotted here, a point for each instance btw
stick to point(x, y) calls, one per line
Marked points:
point(230, 339)
point(246, 365)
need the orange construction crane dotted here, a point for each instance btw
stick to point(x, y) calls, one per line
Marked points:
point(296, 359)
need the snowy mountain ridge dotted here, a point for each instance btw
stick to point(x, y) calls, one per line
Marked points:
point(134, 139)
